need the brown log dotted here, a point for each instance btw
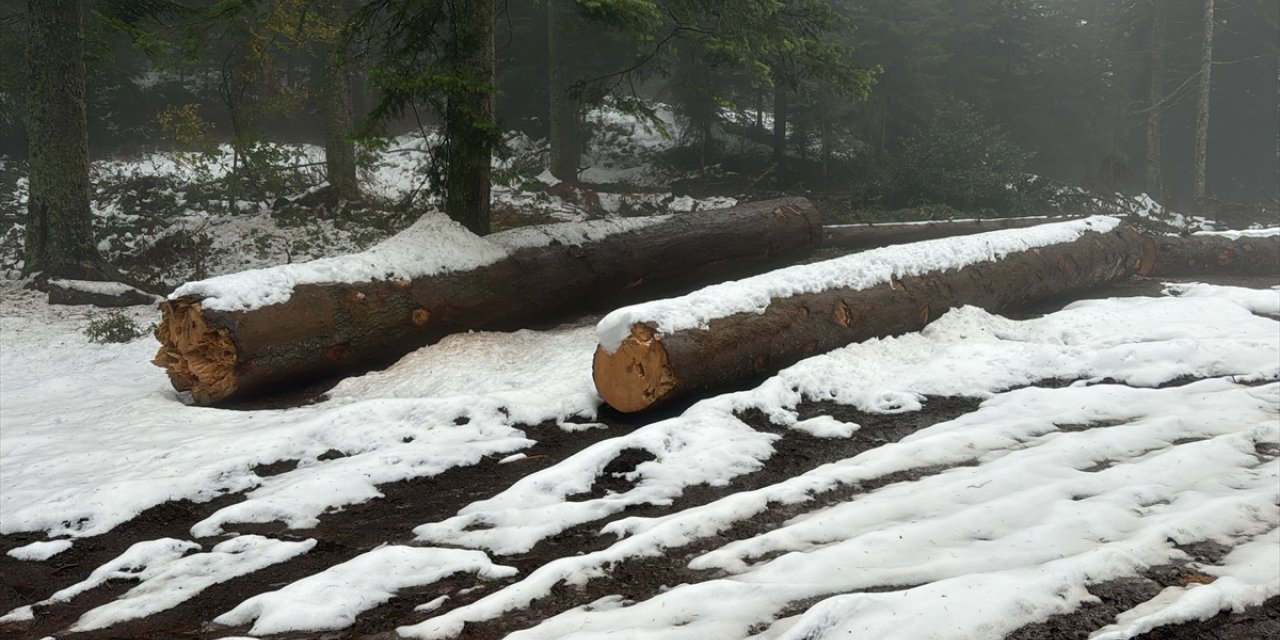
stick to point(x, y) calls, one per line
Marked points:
point(883, 234)
point(1198, 255)
point(329, 329)
point(650, 368)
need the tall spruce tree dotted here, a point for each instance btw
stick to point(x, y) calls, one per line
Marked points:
point(59, 233)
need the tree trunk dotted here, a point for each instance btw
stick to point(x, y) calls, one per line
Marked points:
point(339, 148)
point(1155, 115)
point(1200, 192)
point(1185, 256)
point(329, 329)
point(870, 236)
point(650, 367)
point(563, 72)
point(469, 124)
point(779, 127)
point(59, 234)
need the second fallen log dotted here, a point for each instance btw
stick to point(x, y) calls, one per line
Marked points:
point(653, 352)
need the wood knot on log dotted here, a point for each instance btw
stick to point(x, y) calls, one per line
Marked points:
point(843, 316)
point(420, 317)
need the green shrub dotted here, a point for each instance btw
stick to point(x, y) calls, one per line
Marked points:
point(114, 327)
point(957, 159)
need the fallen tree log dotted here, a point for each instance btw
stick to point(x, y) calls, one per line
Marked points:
point(222, 350)
point(874, 235)
point(654, 352)
point(1203, 254)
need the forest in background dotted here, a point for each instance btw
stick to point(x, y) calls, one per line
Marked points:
point(883, 104)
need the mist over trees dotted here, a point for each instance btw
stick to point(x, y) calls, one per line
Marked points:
point(887, 103)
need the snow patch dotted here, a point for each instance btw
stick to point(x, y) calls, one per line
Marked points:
point(333, 598)
point(434, 244)
point(39, 551)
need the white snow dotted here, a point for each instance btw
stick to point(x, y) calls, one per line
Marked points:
point(40, 550)
point(993, 520)
point(569, 233)
point(1268, 232)
point(89, 286)
point(1031, 501)
point(168, 584)
point(434, 244)
point(1249, 575)
point(334, 597)
point(170, 573)
point(120, 442)
point(1264, 301)
point(859, 271)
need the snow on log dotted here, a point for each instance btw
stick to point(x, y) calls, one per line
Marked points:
point(652, 352)
point(875, 235)
point(1229, 253)
point(259, 331)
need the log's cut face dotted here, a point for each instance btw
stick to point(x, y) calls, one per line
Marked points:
point(636, 376)
point(197, 357)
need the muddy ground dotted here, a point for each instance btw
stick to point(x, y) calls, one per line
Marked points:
point(357, 529)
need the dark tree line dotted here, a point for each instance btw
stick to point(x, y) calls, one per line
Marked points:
point(900, 102)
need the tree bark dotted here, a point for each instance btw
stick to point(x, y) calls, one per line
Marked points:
point(779, 127)
point(339, 147)
point(1199, 184)
point(329, 329)
point(470, 129)
point(650, 368)
point(870, 236)
point(564, 110)
point(1155, 113)
point(58, 240)
point(1184, 256)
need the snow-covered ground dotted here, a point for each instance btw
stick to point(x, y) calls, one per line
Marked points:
point(1103, 440)
point(1004, 516)
point(141, 201)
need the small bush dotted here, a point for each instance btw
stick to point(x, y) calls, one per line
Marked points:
point(960, 160)
point(114, 327)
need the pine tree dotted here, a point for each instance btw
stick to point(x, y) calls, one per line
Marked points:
point(59, 233)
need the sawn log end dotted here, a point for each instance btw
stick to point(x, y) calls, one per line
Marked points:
point(197, 357)
point(637, 375)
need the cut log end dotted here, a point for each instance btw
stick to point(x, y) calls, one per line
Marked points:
point(198, 358)
point(638, 375)
point(1150, 250)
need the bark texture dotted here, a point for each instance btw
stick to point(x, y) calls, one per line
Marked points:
point(1155, 113)
point(870, 236)
point(469, 122)
point(1200, 180)
point(649, 368)
point(330, 329)
point(563, 72)
point(339, 148)
point(1178, 256)
point(59, 233)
